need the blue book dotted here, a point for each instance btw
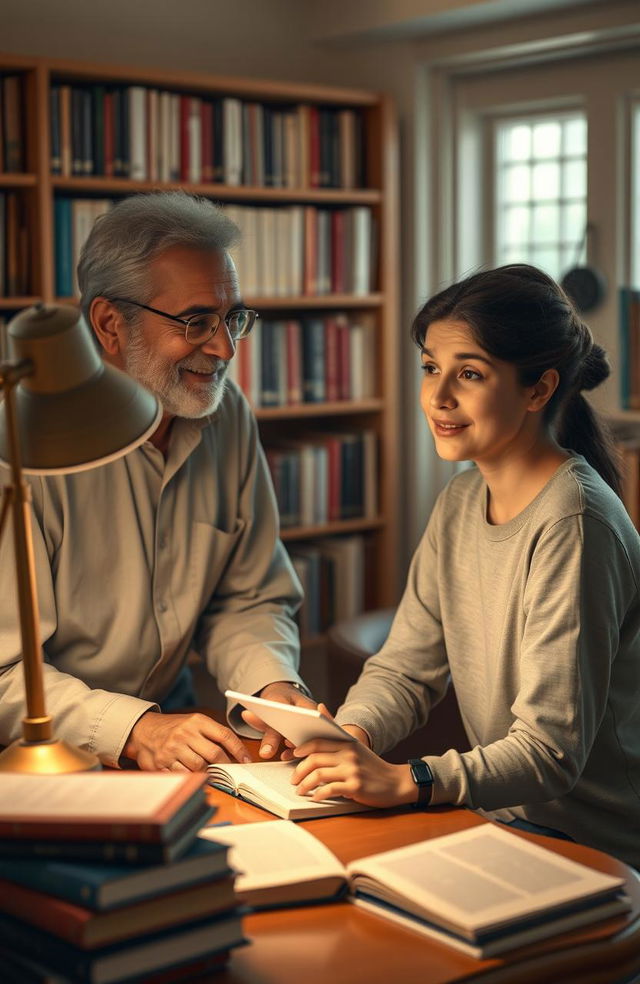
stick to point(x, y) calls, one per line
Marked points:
point(104, 886)
point(64, 250)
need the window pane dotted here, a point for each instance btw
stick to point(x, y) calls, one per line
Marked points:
point(574, 218)
point(548, 259)
point(575, 179)
point(515, 254)
point(546, 139)
point(546, 223)
point(517, 183)
point(516, 143)
point(575, 137)
point(516, 225)
point(546, 181)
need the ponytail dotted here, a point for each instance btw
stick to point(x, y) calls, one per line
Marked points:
point(581, 429)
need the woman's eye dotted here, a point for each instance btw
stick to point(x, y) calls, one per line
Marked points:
point(470, 374)
point(428, 368)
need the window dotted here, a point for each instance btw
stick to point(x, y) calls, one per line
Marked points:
point(541, 190)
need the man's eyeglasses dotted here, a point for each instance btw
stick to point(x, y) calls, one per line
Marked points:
point(201, 327)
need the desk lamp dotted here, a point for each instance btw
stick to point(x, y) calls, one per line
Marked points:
point(64, 410)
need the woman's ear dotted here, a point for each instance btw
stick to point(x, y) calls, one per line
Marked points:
point(543, 390)
point(109, 327)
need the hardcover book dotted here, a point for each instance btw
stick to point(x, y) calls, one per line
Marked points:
point(483, 891)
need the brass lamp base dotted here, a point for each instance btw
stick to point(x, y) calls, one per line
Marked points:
point(46, 758)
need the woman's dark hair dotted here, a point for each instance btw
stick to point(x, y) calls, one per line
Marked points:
point(520, 315)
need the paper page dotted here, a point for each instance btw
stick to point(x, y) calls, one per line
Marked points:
point(480, 877)
point(275, 852)
point(106, 795)
point(272, 781)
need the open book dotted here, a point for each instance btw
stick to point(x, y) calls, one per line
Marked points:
point(268, 784)
point(483, 890)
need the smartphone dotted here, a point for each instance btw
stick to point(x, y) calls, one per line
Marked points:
point(297, 724)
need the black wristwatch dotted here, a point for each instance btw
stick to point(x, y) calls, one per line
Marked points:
point(423, 778)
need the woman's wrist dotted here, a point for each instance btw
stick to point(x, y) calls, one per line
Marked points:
point(358, 733)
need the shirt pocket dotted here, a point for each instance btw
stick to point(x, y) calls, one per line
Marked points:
point(211, 552)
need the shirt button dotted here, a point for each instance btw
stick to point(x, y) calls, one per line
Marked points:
point(161, 606)
point(163, 543)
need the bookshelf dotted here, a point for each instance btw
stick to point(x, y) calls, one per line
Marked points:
point(354, 185)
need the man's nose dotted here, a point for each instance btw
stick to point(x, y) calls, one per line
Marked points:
point(220, 344)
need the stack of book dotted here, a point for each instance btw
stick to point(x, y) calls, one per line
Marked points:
point(103, 879)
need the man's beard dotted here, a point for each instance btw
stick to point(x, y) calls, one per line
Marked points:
point(164, 380)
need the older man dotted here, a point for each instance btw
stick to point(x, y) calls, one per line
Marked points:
point(173, 548)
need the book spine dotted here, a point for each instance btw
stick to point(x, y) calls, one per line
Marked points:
point(13, 129)
point(97, 99)
point(313, 360)
point(54, 111)
point(65, 131)
point(63, 272)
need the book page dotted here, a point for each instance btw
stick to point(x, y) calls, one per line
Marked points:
point(91, 795)
point(271, 782)
point(274, 852)
point(478, 878)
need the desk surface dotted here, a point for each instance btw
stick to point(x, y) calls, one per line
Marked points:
point(339, 944)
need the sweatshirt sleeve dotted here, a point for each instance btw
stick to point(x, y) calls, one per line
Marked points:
point(579, 587)
point(400, 684)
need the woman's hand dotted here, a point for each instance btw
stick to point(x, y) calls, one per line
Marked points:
point(352, 770)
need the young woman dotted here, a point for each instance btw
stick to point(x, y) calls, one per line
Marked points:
point(523, 590)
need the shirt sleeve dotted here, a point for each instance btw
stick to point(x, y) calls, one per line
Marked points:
point(399, 685)
point(579, 587)
point(247, 633)
point(96, 720)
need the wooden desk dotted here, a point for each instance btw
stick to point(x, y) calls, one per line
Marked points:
point(339, 944)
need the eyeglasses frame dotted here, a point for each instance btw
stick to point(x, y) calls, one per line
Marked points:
point(187, 321)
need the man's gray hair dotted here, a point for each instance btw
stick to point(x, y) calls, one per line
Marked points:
point(115, 259)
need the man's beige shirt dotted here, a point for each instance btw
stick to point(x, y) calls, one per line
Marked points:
point(142, 561)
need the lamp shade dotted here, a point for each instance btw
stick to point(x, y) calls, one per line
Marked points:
point(73, 410)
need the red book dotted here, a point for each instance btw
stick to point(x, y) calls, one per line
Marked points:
point(243, 355)
point(338, 285)
point(344, 357)
point(206, 117)
point(294, 361)
point(126, 806)
point(185, 112)
point(334, 455)
point(107, 122)
point(88, 929)
point(314, 147)
point(332, 361)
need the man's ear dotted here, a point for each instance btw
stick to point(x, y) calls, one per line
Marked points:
point(543, 390)
point(109, 326)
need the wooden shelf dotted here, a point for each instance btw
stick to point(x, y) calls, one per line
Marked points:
point(317, 196)
point(17, 303)
point(315, 302)
point(337, 408)
point(331, 529)
point(10, 180)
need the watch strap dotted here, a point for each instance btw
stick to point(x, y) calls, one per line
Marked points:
point(423, 778)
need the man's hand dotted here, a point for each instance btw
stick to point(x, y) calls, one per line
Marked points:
point(182, 743)
point(285, 694)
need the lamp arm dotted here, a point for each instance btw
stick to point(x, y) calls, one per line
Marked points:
point(36, 726)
